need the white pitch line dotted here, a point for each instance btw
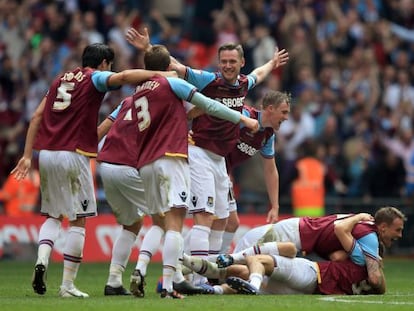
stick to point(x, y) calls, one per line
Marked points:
point(353, 300)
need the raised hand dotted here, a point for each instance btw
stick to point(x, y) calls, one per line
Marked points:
point(139, 40)
point(280, 58)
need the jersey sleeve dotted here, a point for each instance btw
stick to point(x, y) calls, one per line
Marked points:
point(370, 245)
point(246, 113)
point(199, 78)
point(181, 88)
point(356, 254)
point(115, 113)
point(268, 150)
point(252, 78)
point(99, 80)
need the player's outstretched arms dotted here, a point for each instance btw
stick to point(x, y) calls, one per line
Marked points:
point(133, 76)
point(280, 58)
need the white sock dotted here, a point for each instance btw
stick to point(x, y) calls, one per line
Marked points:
point(270, 248)
point(227, 240)
point(202, 266)
point(178, 275)
point(199, 246)
point(115, 275)
point(218, 290)
point(121, 251)
point(72, 255)
point(48, 234)
point(199, 241)
point(149, 246)
point(173, 248)
point(215, 240)
point(256, 280)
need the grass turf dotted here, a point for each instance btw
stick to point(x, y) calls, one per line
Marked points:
point(16, 293)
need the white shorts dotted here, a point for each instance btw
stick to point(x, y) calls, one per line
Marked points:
point(66, 185)
point(232, 198)
point(291, 276)
point(209, 182)
point(124, 192)
point(167, 184)
point(286, 230)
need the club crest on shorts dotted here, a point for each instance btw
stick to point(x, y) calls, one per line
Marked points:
point(183, 196)
point(210, 201)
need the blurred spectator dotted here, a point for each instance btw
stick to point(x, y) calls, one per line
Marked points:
point(351, 67)
point(21, 198)
point(384, 177)
point(90, 31)
point(299, 128)
point(336, 169)
point(265, 45)
point(400, 91)
point(228, 22)
point(357, 156)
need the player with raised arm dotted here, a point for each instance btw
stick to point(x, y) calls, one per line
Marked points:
point(63, 128)
point(155, 120)
point(213, 139)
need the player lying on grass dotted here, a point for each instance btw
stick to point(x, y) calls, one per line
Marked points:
point(319, 235)
point(276, 274)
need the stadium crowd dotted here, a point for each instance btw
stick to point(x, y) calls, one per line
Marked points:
point(347, 132)
point(350, 73)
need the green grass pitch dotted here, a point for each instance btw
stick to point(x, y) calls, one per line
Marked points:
point(16, 293)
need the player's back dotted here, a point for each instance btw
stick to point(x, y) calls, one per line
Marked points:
point(342, 277)
point(71, 114)
point(122, 136)
point(318, 233)
point(161, 121)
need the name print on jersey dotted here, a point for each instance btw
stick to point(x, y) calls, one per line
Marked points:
point(232, 102)
point(247, 149)
point(149, 85)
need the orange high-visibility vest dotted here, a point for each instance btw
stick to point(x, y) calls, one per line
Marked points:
point(308, 190)
point(21, 197)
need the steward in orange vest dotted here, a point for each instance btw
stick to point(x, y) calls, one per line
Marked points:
point(308, 189)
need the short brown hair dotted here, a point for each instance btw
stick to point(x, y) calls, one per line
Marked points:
point(157, 58)
point(230, 47)
point(387, 214)
point(275, 98)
